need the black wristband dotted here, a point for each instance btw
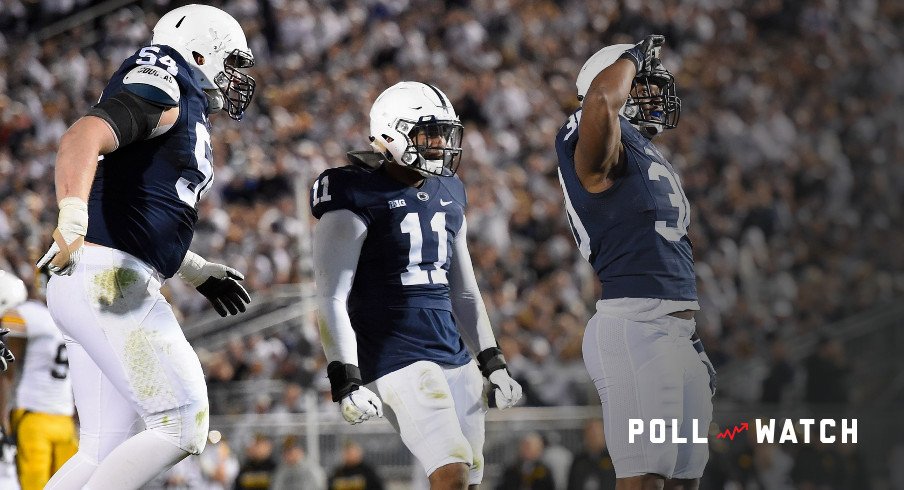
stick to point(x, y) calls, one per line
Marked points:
point(697, 343)
point(490, 360)
point(344, 379)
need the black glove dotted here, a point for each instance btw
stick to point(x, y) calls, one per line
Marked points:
point(6, 355)
point(226, 295)
point(217, 282)
point(644, 53)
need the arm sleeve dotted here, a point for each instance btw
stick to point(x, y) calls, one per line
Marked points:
point(467, 304)
point(338, 238)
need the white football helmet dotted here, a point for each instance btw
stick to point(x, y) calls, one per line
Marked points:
point(653, 104)
point(414, 124)
point(214, 45)
point(12, 291)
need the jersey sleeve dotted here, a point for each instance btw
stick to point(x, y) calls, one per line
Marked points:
point(150, 73)
point(338, 188)
point(153, 84)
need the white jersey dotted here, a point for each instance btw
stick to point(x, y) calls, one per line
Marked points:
point(45, 385)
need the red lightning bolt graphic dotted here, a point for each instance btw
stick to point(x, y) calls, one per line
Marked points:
point(731, 433)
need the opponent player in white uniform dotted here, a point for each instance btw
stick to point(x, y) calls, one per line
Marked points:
point(629, 216)
point(12, 294)
point(41, 423)
point(404, 318)
point(125, 225)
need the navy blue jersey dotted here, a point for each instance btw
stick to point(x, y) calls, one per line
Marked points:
point(144, 194)
point(399, 304)
point(634, 233)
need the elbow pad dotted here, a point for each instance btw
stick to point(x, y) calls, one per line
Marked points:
point(134, 112)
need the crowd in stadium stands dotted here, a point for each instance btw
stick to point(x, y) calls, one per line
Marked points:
point(789, 132)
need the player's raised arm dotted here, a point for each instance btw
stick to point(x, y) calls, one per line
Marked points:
point(603, 88)
point(338, 238)
point(474, 323)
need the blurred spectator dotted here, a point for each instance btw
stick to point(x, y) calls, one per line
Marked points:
point(185, 475)
point(853, 472)
point(781, 373)
point(817, 466)
point(219, 465)
point(773, 466)
point(784, 250)
point(296, 471)
point(896, 466)
point(291, 401)
point(528, 472)
point(354, 473)
point(592, 468)
point(257, 470)
point(557, 457)
point(827, 373)
point(793, 172)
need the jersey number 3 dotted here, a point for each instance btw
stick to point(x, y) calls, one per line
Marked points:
point(677, 198)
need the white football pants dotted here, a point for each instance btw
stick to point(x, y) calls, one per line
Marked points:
point(439, 412)
point(130, 363)
point(650, 370)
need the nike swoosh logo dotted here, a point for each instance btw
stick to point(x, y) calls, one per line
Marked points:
point(444, 203)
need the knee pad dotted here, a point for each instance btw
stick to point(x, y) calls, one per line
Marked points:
point(186, 426)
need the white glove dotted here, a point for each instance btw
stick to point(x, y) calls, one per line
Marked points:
point(68, 238)
point(507, 391)
point(361, 405)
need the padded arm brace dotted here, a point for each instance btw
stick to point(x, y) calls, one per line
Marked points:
point(131, 117)
point(467, 304)
point(338, 238)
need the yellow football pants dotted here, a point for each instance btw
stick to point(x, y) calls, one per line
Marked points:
point(43, 443)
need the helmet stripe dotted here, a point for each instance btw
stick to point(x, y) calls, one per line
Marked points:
point(439, 94)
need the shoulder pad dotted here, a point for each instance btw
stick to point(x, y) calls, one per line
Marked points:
point(335, 189)
point(153, 84)
point(365, 159)
point(457, 188)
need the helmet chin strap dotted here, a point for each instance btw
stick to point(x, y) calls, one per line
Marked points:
point(215, 101)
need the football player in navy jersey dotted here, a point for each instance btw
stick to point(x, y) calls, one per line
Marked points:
point(403, 318)
point(128, 178)
point(629, 216)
